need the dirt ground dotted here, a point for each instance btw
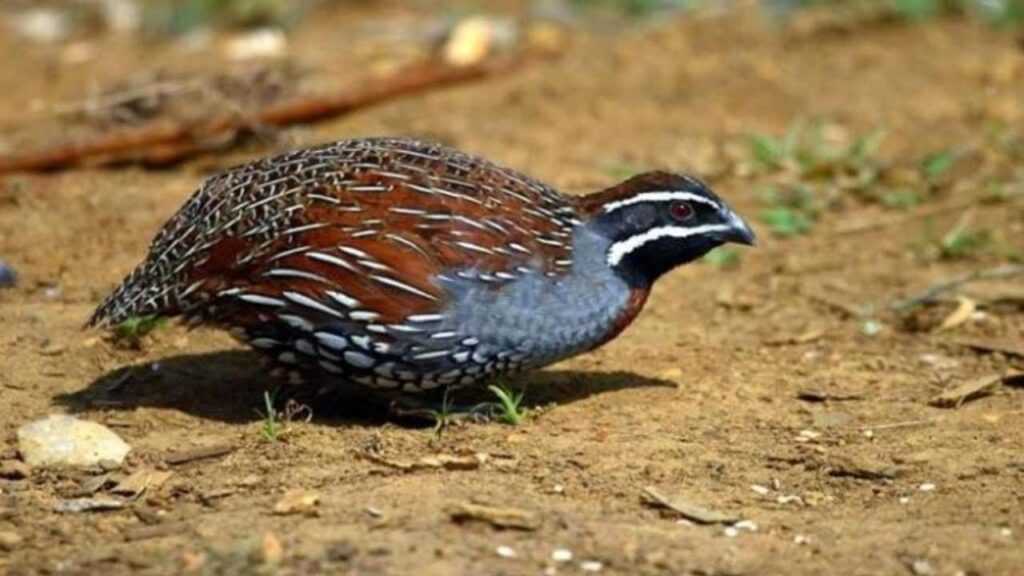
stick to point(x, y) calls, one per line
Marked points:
point(699, 398)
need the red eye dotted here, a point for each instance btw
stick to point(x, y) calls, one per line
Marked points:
point(681, 211)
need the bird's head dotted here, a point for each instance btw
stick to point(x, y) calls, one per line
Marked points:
point(657, 220)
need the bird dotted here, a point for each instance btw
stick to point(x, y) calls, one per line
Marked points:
point(409, 266)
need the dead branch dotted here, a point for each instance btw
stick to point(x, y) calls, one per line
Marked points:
point(934, 291)
point(163, 142)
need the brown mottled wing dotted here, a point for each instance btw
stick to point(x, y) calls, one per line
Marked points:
point(366, 224)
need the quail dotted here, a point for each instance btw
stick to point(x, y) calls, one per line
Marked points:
point(408, 266)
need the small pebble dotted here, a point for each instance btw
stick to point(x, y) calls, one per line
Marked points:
point(800, 540)
point(1006, 532)
point(561, 555)
point(731, 532)
point(8, 277)
point(10, 541)
point(505, 552)
point(922, 568)
point(591, 566)
point(926, 487)
point(746, 525)
point(558, 489)
point(762, 490)
point(871, 328)
point(257, 44)
point(43, 25)
point(869, 433)
point(904, 500)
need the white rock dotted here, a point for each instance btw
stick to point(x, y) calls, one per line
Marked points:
point(505, 551)
point(746, 525)
point(61, 440)
point(591, 566)
point(477, 37)
point(122, 15)
point(561, 555)
point(926, 487)
point(260, 43)
point(470, 42)
point(43, 25)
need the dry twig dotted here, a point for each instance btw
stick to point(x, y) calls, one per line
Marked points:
point(163, 142)
point(934, 291)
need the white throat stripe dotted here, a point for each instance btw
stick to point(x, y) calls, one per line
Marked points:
point(661, 196)
point(623, 248)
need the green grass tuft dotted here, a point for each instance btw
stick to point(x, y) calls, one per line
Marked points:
point(133, 330)
point(508, 405)
point(270, 429)
point(723, 257)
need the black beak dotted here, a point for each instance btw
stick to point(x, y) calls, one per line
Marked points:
point(739, 231)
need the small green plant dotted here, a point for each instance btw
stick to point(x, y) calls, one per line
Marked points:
point(786, 222)
point(936, 165)
point(817, 150)
point(901, 198)
point(508, 404)
point(1001, 192)
point(961, 241)
point(270, 429)
point(996, 12)
point(134, 329)
point(445, 415)
point(175, 17)
point(791, 211)
point(958, 243)
point(640, 8)
point(723, 257)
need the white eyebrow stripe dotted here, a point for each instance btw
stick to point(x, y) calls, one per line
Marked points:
point(659, 196)
point(623, 248)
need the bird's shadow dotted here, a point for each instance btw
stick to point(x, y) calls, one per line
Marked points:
point(228, 386)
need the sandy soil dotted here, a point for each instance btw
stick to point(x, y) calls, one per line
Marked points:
point(699, 398)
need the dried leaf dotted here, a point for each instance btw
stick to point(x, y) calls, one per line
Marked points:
point(863, 468)
point(511, 518)
point(963, 313)
point(1009, 347)
point(140, 481)
point(695, 512)
point(297, 501)
point(973, 389)
point(74, 505)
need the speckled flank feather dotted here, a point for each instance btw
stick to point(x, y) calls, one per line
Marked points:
point(342, 251)
point(371, 203)
point(400, 264)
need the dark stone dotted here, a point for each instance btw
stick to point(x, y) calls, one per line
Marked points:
point(7, 275)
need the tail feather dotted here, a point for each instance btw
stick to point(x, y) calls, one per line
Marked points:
point(137, 296)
